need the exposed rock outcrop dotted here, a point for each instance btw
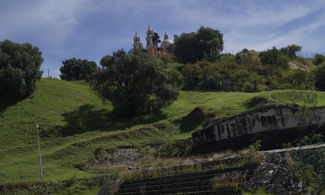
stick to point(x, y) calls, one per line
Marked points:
point(116, 156)
point(275, 176)
point(267, 121)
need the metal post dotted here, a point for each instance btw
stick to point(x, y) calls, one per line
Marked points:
point(39, 152)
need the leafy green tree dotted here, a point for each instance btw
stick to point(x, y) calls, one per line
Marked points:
point(192, 76)
point(243, 57)
point(298, 79)
point(247, 58)
point(134, 82)
point(166, 59)
point(274, 57)
point(76, 69)
point(185, 48)
point(175, 77)
point(318, 59)
point(210, 42)
point(19, 69)
point(206, 43)
point(291, 50)
point(320, 77)
point(212, 77)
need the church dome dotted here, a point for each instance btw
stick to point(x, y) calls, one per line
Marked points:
point(166, 42)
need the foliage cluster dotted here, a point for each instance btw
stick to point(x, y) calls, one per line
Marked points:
point(76, 69)
point(320, 76)
point(134, 82)
point(19, 69)
point(205, 68)
point(291, 51)
point(247, 71)
point(318, 59)
point(312, 175)
point(205, 44)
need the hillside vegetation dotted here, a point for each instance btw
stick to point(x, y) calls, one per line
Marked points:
point(74, 122)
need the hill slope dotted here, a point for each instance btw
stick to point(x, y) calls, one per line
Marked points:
point(74, 122)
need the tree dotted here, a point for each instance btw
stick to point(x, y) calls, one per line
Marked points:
point(77, 69)
point(134, 82)
point(274, 57)
point(297, 79)
point(192, 76)
point(291, 50)
point(19, 69)
point(248, 59)
point(320, 77)
point(318, 59)
point(206, 43)
point(175, 77)
point(211, 79)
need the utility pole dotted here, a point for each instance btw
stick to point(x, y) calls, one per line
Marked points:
point(39, 152)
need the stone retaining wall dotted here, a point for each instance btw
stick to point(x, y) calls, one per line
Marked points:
point(268, 120)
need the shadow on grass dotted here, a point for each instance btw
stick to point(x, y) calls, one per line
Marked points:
point(87, 118)
point(195, 118)
point(4, 104)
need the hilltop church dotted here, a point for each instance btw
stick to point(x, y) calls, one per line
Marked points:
point(152, 41)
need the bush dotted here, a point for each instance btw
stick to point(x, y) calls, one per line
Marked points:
point(19, 69)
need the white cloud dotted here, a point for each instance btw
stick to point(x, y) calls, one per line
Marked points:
point(53, 20)
point(78, 28)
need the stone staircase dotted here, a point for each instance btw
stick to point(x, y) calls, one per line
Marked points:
point(188, 183)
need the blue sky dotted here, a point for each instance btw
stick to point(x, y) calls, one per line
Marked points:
point(90, 29)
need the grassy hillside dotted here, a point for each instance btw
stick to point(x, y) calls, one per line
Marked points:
point(74, 122)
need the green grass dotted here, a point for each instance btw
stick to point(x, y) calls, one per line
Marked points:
point(74, 122)
point(259, 192)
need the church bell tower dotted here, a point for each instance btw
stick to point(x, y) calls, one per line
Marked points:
point(137, 43)
point(152, 42)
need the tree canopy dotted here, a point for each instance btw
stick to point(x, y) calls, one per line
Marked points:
point(77, 69)
point(19, 69)
point(291, 50)
point(274, 57)
point(134, 82)
point(206, 43)
point(320, 77)
point(318, 59)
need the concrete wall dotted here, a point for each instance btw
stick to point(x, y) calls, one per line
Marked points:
point(259, 121)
